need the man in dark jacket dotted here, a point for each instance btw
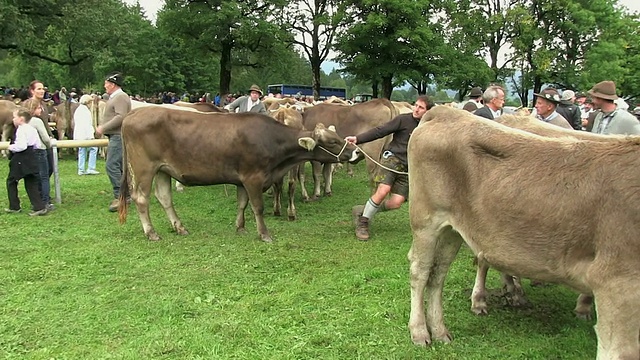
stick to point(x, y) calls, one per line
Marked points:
point(569, 110)
point(392, 178)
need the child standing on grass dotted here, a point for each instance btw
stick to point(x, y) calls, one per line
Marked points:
point(23, 164)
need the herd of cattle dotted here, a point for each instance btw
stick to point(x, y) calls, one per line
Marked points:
point(530, 199)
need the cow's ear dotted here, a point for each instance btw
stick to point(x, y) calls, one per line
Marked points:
point(331, 128)
point(307, 143)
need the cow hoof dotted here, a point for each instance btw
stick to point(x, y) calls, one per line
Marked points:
point(445, 337)
point(422, 339)
point(584, 316)
point(480, 310)
point(182, 231)
point(241, 231)
point(292, 218)
point(153, 236)
point(329, 194)
point(277, 213)
point(266, 238)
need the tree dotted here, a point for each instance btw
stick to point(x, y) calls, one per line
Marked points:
point(233, 31)
point(385, 39)
point(316, 23)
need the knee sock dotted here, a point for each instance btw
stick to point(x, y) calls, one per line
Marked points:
point(370, 209)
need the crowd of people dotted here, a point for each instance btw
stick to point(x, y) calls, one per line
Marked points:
point(31, 141)
point(600, 111)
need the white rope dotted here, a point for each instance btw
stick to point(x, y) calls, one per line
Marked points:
point(382, 166)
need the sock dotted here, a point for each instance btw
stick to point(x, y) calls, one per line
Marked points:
point(370, 209)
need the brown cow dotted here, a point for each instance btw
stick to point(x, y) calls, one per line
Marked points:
point(556, 209)
point(248, 150)
point(349, 120)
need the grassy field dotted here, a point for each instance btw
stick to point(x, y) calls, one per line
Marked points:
point(77, 285)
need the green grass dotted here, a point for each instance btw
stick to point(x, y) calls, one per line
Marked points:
point(77, 285)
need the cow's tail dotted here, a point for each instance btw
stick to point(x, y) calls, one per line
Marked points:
point(124, 185)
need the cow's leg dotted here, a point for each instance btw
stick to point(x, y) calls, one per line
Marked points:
point(327, 174)
point(179, 186)
point(163, 194)
point(254, 192)
point(243, 200)
point(317, 170)
point(301, 179)
point(584, 307)
point(479, 293)
point(350, 169)
point(432, 251)
point(277, 196)
point(140, 193)
point(513, 291)
point(291, 209)
point(618, 326)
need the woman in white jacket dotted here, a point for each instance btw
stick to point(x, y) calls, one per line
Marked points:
point(83, 130)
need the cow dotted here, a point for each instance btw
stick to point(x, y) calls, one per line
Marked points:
point(291, 117)
point(528, 123)
point(560, 210)
point(200, 106)
point(248, 150)
point(349, 120)
point(6, 118)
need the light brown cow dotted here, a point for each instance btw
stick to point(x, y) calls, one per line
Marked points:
point(556, 209)
point(292, 118)
point(512, 285)
point(200, 106)
point(349, 120)
point(6, 118)
point(248, 150)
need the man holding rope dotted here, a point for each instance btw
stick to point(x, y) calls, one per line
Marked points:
point(392, 178)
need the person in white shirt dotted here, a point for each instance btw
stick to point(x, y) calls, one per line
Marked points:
point(83, 130)
point(23, 164)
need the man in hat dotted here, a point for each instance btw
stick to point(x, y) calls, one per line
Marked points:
point(610, 119)
point(569, 110)
point(117, 107)
point(249, 103)
point(493, 99)
point(546, 104)
point(475, 100)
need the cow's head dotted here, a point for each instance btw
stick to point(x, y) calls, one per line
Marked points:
point(328, 146)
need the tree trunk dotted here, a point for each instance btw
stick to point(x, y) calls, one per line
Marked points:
point(387, 86)
point(225, 71)
point(374, 88)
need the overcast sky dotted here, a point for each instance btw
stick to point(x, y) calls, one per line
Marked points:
point(151, 7)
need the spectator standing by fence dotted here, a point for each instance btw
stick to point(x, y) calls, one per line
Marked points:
point(44, 184)
point(83, 130)
point(117, 107)
point(23, 165)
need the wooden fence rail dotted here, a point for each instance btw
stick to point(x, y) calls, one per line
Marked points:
point(64, 144)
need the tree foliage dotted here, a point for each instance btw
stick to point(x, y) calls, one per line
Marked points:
point(224, 45)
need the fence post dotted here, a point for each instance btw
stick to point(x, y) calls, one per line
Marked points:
point(56, 173)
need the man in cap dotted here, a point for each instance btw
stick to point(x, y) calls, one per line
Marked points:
point(493, 99)
point(117, 107)
point(546, 104)
point(569, 110)
point(475, 100)
point(249, 103)
point(610, 119)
